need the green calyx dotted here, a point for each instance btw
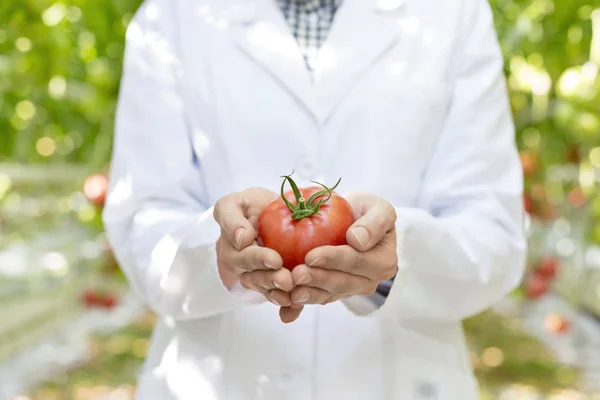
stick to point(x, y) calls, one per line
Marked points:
point(306, 208)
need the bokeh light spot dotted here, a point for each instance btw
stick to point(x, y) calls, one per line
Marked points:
point(569, 82)
point(23, 44)
point(57, 87)
point(531, 137)
point(74, 14)
point(492, 357)
point(65, 145)
point(54, 14)
point(45, 146)
point(25, 110)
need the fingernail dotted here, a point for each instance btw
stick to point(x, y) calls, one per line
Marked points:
point(304, 280)
point(361, 235)
point(315, 261)
point(268, 265)
point(276, 285)
point(272, 300)
point(239, 237)
point(304, 298)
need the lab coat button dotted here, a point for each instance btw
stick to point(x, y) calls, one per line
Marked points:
point(287, 381)
point(426, 390)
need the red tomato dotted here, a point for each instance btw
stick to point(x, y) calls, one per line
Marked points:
point(109, 302)
point(535, 286)
point(547, 212)
point(547, 267)
point(95, 188)
point(529, 162)
point(303, 219)
point(528, 204)
point(577, 198)
point(538, 192)
point(90, 298)
point(556, 323)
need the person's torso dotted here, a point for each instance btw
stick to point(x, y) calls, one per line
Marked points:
point(328, 353)
point(371, 113)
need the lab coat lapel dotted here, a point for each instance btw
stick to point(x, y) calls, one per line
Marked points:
point(362, 32)
point(261, 31)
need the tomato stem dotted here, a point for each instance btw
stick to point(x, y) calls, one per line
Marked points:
point(306, 208)
point(302, 203)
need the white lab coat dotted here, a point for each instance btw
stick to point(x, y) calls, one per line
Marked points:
point(407, 101)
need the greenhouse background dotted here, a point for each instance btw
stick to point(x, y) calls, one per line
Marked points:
point(70, 328)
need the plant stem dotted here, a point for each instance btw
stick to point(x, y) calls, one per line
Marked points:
point(303, 208)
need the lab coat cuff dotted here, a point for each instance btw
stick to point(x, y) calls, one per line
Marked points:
point(192, 287)
point(408, 299)
point(406, 218)
point(368, 305)
point(234, 297)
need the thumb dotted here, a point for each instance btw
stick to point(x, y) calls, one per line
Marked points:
point(235, 211)
point(375, 217)
point(235, 227)
point(288, 314)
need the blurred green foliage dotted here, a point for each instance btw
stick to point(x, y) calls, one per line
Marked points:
point(60, 64)
point(552, 72)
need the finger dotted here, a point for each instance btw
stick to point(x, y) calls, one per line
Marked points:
point(385, 256)
point(339, 258)
point(229, 213)
point(288, 314)
point(255, 257)
point(226, 257)
point(309, 295)
point(378, 264)
point(256, 199)
point(266, 280)
point(279, 298)
point(375, 217)
point(251, 258)
point(336, 283)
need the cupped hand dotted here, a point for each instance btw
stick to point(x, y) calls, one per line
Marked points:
point(370, 257)
point(239, 257)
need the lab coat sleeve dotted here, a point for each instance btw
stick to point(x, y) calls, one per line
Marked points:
point(158, 217)
point(463, 247)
